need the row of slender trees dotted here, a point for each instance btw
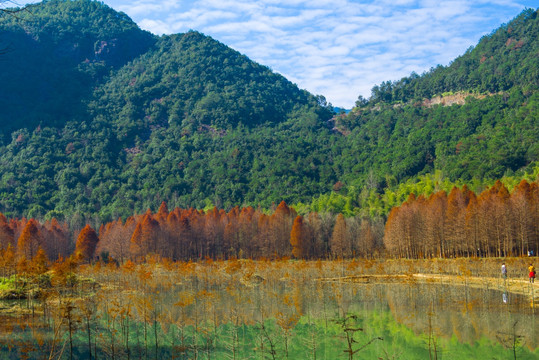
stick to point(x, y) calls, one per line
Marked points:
point(241, 233)
point(461, 223)
point(493, 223)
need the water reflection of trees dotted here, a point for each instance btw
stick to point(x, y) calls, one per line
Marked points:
point(443, 310)
point(468, 314)
point(237, 307)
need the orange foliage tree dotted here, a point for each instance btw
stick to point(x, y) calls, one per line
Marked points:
point(7, 235)
point(299, 239)
point(461, 223)
point(281, 224)
point(143, 240)
point(7, 261)
point(30, 240)
point(494, 223)
point(339, 243)
point(86, 244)
point(55, 239)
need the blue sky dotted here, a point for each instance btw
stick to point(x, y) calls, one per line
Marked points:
point(336, 48)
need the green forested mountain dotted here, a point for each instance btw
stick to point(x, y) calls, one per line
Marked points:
point(102, 119)
point(505, 59)
point(55, 54)
point(493, 134)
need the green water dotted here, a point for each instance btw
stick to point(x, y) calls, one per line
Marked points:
point(281, 321)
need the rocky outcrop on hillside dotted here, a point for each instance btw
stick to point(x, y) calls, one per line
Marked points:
point(452, 99)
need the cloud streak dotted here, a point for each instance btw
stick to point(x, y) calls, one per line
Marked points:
point(339, 48)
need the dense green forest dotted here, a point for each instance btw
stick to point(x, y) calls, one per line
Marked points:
point(101, 119)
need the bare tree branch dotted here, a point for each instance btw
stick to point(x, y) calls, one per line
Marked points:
point(10, 8)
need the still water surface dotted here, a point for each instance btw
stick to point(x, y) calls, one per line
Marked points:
point(288, 319)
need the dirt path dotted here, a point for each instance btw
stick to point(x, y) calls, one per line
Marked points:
point(512, 285)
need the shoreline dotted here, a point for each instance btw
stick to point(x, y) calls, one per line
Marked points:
point(511, 285)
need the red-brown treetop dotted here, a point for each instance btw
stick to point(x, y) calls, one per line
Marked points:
point(298, 238)
point(282, 209)
point(30, 240)
point(7, 235)
point(163, 210)
point(40, 262)
point(172, 218)
point(129, 221)
point(86, 243)
point(411, 198)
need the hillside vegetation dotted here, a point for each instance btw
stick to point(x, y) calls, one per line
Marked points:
point(109, 120)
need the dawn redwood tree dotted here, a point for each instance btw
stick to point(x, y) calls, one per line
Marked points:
point(136, 247)
point(185, 239)
point(143, 240)
point(170, 231)
point(493, 219)
point(534, 214)
point(17, 226)
point(40, 262)
point(30, 240)
point(505, 225)
point(86, 244)
point(472, 225)
point(454, 218)
point(412, 230)
point(322, 228)
point(55, 239)
point(196, 238)
point(214, 228)
point(250, 233)
point(392, 240)
point(404, 228)
point(415, 226)
point(318, 242)
point(162, 213)
point(7, 235)
point(523, 217)
point(299, 239)
point(281, 224)
point(231, 235)
point(435, 224)
point(367, 239)
point(263, 245)
point(7, 261)
point(339, 244)
point(114, 239)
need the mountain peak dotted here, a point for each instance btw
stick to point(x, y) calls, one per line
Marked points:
point(489, 67)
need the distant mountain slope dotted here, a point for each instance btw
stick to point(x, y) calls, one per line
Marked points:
point(486, 137)
point(190, 81)
point(502, 60)
point(111, 132)
point(57, 52)
point(105, 120)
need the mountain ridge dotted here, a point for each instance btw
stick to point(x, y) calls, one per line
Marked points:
point(187, 120)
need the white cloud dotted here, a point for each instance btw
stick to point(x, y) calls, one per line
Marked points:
point(339, 48)
point(143, 7)
point(157, 26)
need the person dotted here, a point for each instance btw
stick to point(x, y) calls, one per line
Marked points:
point(504, 271)
point(531, 270)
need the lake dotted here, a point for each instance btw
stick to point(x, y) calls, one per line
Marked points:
point(266, 311)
